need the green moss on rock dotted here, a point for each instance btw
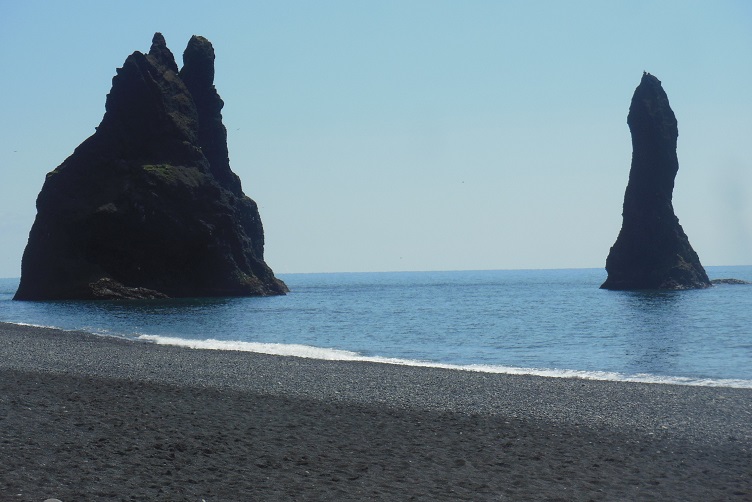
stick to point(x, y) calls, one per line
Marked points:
point(176, 175)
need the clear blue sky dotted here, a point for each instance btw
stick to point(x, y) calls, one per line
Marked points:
point(411, 135)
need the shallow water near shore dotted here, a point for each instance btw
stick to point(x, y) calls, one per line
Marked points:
point(546, 322)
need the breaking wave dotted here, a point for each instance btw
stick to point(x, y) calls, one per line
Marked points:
point(327, 354)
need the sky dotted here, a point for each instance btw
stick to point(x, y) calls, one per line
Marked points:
point(411, 134)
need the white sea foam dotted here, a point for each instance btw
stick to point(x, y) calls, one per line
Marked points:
point(307, 351)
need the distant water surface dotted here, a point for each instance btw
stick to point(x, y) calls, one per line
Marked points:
point(550, 322)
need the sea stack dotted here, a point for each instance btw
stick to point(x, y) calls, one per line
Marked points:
point(652, 251)
point(148, 207)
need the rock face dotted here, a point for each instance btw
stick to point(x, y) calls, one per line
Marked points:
point(652, 251)
point(148, 207)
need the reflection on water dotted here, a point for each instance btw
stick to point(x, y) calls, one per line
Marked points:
point(655, 319)
point(667, 331)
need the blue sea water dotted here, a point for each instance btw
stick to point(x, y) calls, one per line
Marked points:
point(547, 322)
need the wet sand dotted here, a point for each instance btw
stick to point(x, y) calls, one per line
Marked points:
point(84, 417)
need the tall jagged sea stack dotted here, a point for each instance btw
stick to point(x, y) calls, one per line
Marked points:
point(148, 207)
point(652, 251)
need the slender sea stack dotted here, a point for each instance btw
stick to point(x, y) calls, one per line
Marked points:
point(652, 251)
point(148, 207)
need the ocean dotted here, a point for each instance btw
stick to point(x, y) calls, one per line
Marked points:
point(541, 322)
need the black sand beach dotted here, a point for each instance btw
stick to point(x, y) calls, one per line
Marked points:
point(84, 417)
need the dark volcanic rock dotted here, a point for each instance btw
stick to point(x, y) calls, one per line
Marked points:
point(729, 281)
point(652, 251)
point(147, 207)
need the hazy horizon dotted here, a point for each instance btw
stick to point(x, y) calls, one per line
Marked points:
point(412, 136)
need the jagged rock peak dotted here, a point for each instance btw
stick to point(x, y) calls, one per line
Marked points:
point(654, 136)
point(161, 53)
point(148, 207)
point(651, 113)
point(652, 251)
point(198, 62)
point(198, 75)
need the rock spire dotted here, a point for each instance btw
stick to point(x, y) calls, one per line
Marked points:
point(652, 251)
point(148, 207)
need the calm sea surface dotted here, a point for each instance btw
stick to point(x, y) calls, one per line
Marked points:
point(549, 322)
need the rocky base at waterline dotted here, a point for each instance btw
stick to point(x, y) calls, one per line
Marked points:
point(148, 207)
point(652, 251)
point(729, 281)
point(181, 424)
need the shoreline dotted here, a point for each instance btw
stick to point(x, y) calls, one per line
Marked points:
point(87, 415)
point(327, 354)
point(303, 351)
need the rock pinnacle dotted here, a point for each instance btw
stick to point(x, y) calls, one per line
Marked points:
point(148, 207)
point(652, 251)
